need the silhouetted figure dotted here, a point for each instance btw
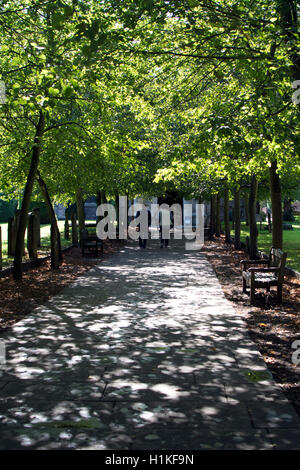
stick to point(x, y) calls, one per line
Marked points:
point(144, 233)
point(165, 224)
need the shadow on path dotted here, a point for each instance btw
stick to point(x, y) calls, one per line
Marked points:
point(141, 352)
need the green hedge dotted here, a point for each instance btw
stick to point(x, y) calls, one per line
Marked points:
point(43, 211)
point(7, 209)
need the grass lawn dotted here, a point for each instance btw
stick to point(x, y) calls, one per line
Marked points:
point(291, 241)
point(45, 240)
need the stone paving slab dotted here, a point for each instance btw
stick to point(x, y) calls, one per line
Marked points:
point(271, 415)
point(149, 377)
point(285, 439)
point(204, 439)
point(182, 413)
point(62, 391)
point(141, 352)
point(14, 411)
point(257, 392)
point(60, 437)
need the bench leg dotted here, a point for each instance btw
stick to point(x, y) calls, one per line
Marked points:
point(279, 294)
point(252, 293)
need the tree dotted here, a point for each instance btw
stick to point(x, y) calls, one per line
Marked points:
point(145, 97)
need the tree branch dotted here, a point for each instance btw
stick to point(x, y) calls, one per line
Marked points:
point(200, 56)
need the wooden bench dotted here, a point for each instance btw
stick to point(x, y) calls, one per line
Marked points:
point(91, 243)
point(270, 273)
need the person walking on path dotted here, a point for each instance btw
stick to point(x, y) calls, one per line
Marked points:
point(164, 226)
point(143, 227)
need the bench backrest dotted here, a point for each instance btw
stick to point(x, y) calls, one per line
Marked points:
point(277, 259)
point(84, 235)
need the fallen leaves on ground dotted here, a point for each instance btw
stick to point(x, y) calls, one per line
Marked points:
point(18, 298)
point(273, 328)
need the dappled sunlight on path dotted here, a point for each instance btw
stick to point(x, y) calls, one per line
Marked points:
point(141, 352)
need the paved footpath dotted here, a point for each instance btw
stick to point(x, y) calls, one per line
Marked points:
point(141, 352)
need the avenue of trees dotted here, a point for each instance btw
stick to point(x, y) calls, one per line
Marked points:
point(137, 97)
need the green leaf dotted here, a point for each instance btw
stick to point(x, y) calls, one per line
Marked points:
point(21, 101)
point(53, 91)
point(68, 11)
point(86, 50)
point(57, 20)
point(16, 61)
point(67, 91)
point(42, 57)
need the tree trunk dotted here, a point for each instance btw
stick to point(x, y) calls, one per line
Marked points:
point(98, 198)
point(10, 236)
point(17, 269)
point(218, 216)
point(52, 217)
point(237, 219)
point(36, 211)
point(55, 247)
point(269, 221)
point(101, 199)
point(103, 196)
point(80, 209)
point(246, 200)
point(117, 213)
point(12, 230)
point(226, 216)
point(67, 229)
point(32, 239)
point(252, 218)
point(74, 229)
point(212, 230)
point(275, 187)
point(288, 210)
